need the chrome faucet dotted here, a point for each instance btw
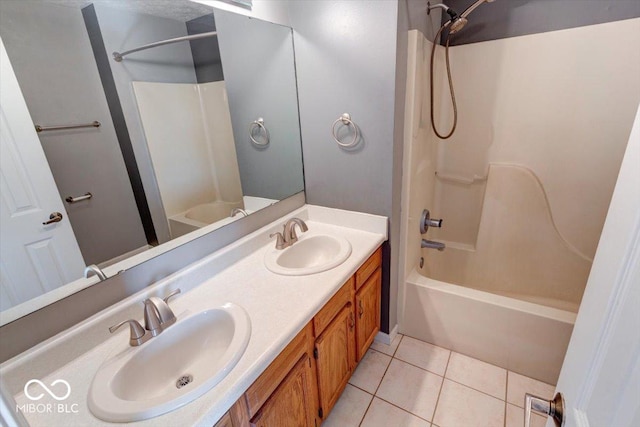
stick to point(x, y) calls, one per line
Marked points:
point(93, 269)
point(288, 236)
point(157, 317)
point(236, 211)
point(432, 245)
point(157, 314)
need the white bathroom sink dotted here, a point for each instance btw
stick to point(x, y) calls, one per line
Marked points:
point(174, 368)
point(309, 255)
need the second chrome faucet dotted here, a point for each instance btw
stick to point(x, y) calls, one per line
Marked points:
point(288, 236)
point(157, 317)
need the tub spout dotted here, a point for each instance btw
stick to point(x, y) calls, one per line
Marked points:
point(432, 245)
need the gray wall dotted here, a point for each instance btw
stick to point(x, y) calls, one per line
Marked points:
point(205, 52)
point(346, 62)
point(260, 79)
point(122, 30)
point(512, 18)
point(419, 19)
point(51, 54)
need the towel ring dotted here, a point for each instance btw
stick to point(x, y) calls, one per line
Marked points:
point(260, 124)
point(346, 120)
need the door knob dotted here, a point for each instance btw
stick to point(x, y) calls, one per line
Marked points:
point(54, 217)
point(553, 408)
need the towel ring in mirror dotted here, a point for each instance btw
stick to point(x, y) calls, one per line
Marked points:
point(259, 124)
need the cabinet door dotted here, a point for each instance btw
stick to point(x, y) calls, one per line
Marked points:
point(368, 313)
point(335, 354)
point(225, 421)
point(292, 404)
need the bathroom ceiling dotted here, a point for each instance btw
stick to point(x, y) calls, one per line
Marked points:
point(184, 10)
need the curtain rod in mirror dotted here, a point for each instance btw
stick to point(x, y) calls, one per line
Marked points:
point(118, 56)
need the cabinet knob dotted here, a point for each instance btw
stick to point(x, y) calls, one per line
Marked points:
point(360, 309)
point(352, 322)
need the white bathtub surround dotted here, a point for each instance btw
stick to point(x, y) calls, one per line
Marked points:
point(279, 306)
point(190, 139)
point(519, 251)
point(540, 101)
point(513, 97)
point(522, 186)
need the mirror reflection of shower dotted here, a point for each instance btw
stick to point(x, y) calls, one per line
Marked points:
point(454, 24)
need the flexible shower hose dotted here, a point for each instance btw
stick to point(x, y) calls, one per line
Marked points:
point(453, 96)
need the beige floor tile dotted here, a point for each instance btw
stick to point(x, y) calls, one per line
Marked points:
point(370, 370)
point(382, 414)
point(422, 354)
point(518, 385)
point(478, 375)
point(411, 388)
point(387, 349)
point(349, 409)
point(462, 406)
point(515, 417)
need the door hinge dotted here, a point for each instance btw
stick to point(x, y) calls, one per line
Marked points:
point(315, 352)
point(320, 413)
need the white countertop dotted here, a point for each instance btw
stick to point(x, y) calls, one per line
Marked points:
point(279, 307)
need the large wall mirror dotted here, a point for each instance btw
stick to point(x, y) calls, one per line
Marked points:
point(193, 135)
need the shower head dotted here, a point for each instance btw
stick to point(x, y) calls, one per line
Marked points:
point(457, 23)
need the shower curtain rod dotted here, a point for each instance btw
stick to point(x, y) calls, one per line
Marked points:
point(118, 56)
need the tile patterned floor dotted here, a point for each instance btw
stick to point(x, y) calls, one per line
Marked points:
point(411, 383)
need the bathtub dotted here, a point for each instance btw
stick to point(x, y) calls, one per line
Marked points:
point(522, 336)
point(202, 215)
point(214, 212)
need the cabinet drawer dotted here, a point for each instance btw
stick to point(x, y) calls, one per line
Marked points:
point(368, 268)
point(271, 378)
point(343, 297)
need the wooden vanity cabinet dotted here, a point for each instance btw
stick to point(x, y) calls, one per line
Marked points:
point(304, 382)
point(286, 393)
point(292, 403)
point(225, 421)
point(335, 352)
point(367, 302)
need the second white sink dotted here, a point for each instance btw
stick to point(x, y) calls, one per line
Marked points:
point(309, 255)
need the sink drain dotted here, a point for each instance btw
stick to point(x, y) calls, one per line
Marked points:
point(184, 380)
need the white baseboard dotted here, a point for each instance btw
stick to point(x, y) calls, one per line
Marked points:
point(387, 339)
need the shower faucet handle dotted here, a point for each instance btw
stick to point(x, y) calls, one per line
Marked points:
point(426, 221)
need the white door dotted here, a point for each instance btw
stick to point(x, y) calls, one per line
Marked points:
point(600, 377)
point(34, 258)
